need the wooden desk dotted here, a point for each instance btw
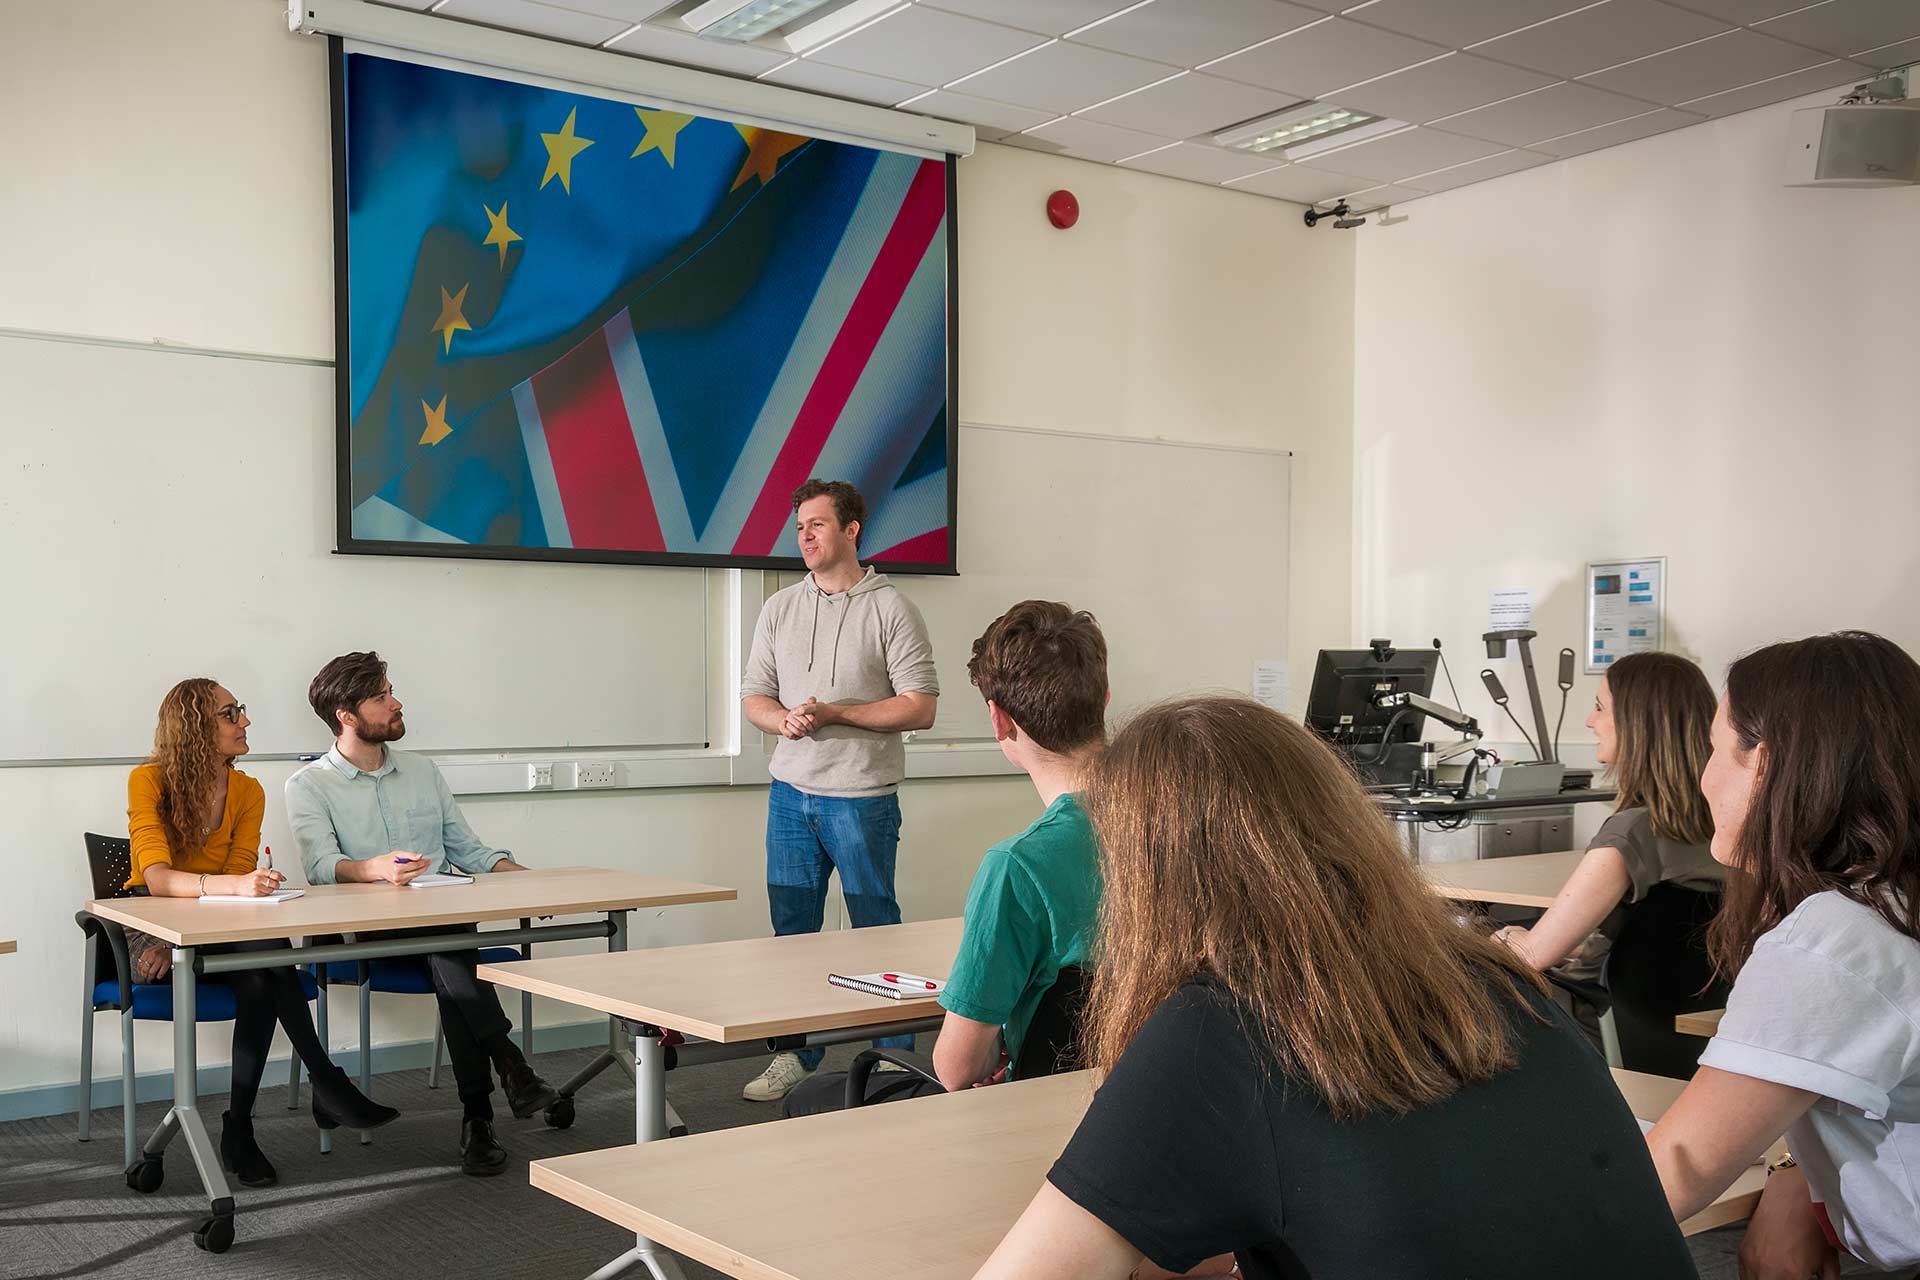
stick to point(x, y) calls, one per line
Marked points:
point(8, 946)
point(735, 993)
point(1704, 1023)
point(781, 1202)
point(1530, 880)
point(364, 908)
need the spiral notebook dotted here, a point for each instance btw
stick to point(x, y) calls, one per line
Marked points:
point(894, 986)
point(278, 895)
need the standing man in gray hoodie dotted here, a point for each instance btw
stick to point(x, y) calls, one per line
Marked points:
point(841, 666)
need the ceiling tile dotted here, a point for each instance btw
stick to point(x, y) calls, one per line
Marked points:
point(537, 19)
point(1049, 17)
point(1458, 23)
point(1380, 197)
point(1442, 87)
point(1087, 139)
point(1606, 34)
point(991, 120)
point(1407, 152)
point(1197, 162)
point(1062, 77)
point(1192, 104)
point(1742, 11)
point(1847, 27)
point(1607, 135)
point(924, 45)
point(691, 51)
point(1795, 84)
point(1888, 56)
point(1544, 113)
point(1301, 184)
point(1327, 55)
point(1724, 62)
point(1477, 171)
point(1191, 32)
point(842, 83)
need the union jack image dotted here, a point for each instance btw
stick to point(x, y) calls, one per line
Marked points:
point(582, 329)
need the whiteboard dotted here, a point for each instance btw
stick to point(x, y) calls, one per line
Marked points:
point(1179, 551)
point(167, 515)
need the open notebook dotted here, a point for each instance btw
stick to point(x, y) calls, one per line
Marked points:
point(278, 895)
point(894, 986)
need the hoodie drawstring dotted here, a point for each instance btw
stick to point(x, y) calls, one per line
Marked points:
point(814, 632)
point(833, 675)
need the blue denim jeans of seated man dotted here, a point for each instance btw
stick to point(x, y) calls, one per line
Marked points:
point(810, 837)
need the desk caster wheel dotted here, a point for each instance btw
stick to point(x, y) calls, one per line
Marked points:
point(215, 1235)
point(146, 1174)
point(560, 1114)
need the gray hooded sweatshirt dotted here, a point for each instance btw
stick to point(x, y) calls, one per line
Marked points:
point(866, 644)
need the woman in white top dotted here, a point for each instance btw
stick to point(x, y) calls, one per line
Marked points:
point(1815, 788)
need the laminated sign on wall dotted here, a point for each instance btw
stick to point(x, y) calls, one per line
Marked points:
point(1626, 609)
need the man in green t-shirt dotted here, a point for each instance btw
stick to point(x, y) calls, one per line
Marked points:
point(1042, 667)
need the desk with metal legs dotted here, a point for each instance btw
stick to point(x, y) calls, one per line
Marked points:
point(741, 999)
point(191, 925)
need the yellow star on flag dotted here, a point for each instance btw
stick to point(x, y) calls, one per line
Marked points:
point(764, 149)
point(562, 147)
point(499, 233)
point(450, 317)
point(663, 129)
point(437, 428)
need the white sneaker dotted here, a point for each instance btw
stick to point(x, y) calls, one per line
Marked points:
point(773, 1084)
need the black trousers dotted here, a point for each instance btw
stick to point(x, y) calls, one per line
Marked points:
point(264, 998)
point(470, 1013)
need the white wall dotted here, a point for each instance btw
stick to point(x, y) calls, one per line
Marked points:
point(185, 195)
point(1652, 350)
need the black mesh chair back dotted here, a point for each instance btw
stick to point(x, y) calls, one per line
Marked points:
point(1053, 1037)
point(110, 859)
point(1658, 968)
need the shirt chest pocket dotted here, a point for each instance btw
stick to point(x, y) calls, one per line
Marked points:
point(423, 829)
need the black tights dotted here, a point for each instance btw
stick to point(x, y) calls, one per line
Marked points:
point(267, 997)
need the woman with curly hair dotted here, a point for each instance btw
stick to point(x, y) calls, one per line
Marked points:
point(195, 821)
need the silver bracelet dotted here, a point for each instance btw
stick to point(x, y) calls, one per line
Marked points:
point(203, 884)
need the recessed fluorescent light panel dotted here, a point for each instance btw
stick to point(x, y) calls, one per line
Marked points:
point(1309, 122)
point(733, 20)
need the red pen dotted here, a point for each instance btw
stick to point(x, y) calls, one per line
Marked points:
point(910, 980)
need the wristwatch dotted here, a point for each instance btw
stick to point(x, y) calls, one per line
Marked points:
point(1786, 1161)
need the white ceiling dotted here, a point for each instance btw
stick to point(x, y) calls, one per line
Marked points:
point(1489, 87)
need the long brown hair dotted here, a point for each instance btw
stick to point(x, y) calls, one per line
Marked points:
point(1663, 722)
point(1837, 802)
point(190, 763)
point(1236, 845)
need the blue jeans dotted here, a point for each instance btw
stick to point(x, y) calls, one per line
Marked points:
point(809, 837)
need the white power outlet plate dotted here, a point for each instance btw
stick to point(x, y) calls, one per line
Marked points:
point(540, 777)
point(595, 774)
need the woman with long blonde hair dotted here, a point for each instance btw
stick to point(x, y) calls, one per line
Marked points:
point(194, 822)
point(1308, 1064)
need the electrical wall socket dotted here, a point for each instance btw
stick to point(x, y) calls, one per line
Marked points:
point(540, 777)
point(597, 773)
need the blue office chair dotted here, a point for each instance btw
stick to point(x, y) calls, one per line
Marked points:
point(408, 976)
point(110, 860)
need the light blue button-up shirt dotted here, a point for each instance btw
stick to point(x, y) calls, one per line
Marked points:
point(339, 811)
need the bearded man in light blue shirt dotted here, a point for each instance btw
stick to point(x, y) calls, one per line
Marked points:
point(365, 812)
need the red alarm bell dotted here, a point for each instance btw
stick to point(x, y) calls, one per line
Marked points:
point(1062, 209)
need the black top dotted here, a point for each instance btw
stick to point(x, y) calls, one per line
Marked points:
point(1192, 1149)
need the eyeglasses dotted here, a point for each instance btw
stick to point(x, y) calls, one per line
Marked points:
point(233, 712)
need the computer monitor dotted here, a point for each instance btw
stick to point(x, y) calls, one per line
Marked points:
point(1342, 706)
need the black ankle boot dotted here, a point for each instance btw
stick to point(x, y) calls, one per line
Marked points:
point(242, 1155)
point(480, 1152)
point(337, 1101)
point(526, 1091)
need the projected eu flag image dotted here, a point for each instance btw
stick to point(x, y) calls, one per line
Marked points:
point(583, 329)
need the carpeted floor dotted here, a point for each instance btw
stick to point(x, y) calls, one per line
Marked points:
point(399, 1207)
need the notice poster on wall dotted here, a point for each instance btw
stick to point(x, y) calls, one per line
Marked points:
point(1626, 609)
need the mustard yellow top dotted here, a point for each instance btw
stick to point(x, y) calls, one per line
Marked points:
point(232, 848)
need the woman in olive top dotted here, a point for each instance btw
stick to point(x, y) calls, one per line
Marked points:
point(1815, 787)
point(1650, 723)
point(1307, 1063)
point(195, 826)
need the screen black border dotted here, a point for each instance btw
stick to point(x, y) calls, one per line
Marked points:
point(346, 544)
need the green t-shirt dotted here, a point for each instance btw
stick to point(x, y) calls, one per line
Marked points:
point(1029, 914)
